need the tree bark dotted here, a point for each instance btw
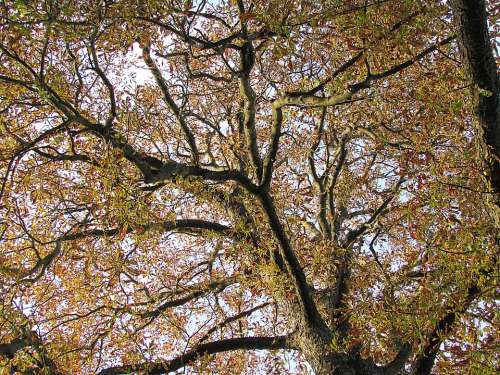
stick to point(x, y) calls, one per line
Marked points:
point(471, 22)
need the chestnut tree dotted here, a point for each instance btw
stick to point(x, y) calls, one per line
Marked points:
point(249, 186)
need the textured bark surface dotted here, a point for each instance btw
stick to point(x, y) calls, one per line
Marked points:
point(472, 27)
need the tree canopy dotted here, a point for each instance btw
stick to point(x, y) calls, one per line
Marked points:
point(249, 186)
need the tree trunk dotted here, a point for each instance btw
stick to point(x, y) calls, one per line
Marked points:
point(317, 348)
point(471, 22)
